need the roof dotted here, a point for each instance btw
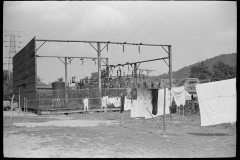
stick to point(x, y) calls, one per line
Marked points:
point(44, 87)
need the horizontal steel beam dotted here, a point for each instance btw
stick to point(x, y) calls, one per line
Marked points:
point(106, 42)
point(136, 62)
point(69, 57)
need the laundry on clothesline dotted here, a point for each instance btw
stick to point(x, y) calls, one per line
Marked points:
point(85, 104)
point(104, 101)
point(217, 102)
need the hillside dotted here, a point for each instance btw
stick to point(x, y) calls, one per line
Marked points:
point(229, 59)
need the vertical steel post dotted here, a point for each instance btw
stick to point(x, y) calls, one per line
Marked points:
point(170, 76)
point(99, 72)
point(66, 81)
point(19, 97)
point(164, 105)
point(135, 75)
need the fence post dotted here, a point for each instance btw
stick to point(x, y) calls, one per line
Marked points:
point(24, 106)
point(12, 111)
point(38, 100)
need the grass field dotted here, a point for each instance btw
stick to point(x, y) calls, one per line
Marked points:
point(98, 135)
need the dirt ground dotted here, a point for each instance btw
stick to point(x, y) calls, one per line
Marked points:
point(106, 135)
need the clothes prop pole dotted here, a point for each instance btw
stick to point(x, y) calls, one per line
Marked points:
point(153, 118)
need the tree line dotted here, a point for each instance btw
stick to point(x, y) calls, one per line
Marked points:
point(219, 71)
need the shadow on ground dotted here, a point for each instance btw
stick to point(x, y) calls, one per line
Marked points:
point(208, 134)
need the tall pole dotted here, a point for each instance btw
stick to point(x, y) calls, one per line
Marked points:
point(164, 105)
point(66, 80)
point(99, 72)
point(135, 75)
point(170, 76)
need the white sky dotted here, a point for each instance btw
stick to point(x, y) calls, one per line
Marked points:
point(196, 30)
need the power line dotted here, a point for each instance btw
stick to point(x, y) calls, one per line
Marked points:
point(132, 22)
point(72, 23)
point(40, 27)
point(146, 22)
point(68, 19)
point(162, 22)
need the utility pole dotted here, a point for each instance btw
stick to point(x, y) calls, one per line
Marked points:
point(99, 72)
point(66, 80)
point(12, 47)
point(170, 76)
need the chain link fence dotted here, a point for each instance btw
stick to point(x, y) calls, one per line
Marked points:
point(71, 99)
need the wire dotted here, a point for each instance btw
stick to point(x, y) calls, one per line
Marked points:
point(67, 19)
point(73, 22)
point(146, 21)
point(48, 21)
point(162, 22)
point(132, 22)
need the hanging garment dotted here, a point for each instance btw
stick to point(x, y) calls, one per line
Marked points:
point(111, 100)
point(117, 102)
point(85, 104)
point(127, 104)
point(217, 102)
point(122, 102)
point(134, 109)
point(144, 99)
point(178, 93)
point(161, 101)
point(154, 101)
point(104, 101)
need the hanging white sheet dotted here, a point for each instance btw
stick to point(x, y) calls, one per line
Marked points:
point(104, 101)
point(161, 102)
point(217, 102)
point(178, 93)
point(127, 104)
point(134, 109)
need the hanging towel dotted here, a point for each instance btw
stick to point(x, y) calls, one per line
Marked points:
point(127, 104)
point(178, 93)
point(161, 101)
point(217, 102)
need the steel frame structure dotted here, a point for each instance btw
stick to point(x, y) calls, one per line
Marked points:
point(98, 49)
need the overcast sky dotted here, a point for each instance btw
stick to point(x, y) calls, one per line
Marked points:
point(196, 30)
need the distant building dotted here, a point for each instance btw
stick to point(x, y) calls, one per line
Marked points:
point(44, 88)
point(94, 75)
point(190, 85)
